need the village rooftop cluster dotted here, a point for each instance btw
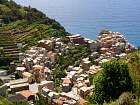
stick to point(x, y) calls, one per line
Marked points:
point(38, 62)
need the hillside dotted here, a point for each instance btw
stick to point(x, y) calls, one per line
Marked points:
point(130, 77)
point(10, 11)
point(24, 25)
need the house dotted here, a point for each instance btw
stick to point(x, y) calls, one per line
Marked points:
point(45, 91)
point(94, 69)
point(28, 95)
point(71, 75)
point(34, 88)
point(94, 55)
point(46, 74)
point(66, 85)
point(18, 85)
point(29, 76)
point(84, 91)
point(28, 63)
point(58, 101)
point(94, 45)
point(5, 79)
point(79, 85)
point(3, 72)
point(87, 82)
point(82, 101)
point(52, 56)
point(76, 68)
point(70, 95)
point(21, 57)
point(20, 70)
point(70, 68)
point(52, 95)
point(47, 84)
point(47, 44)
point(17, 98)
point(18, 81)
point(77, 39)
point(85, 63)
point(38, 73)
point(26, 75)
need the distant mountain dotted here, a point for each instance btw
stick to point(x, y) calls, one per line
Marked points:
point(24, 25)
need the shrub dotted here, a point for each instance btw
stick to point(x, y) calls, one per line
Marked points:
point(112, 82)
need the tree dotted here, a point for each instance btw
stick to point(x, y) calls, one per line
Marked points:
point(17, 76)
point(3, 1)
point(19, 103)
point(112, 82)
point(41, 101)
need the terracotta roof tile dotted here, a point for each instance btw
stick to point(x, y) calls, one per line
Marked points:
point(26, 93)
point(82, 101)
point(66, 81)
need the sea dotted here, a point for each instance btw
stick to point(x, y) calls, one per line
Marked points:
point(89, 17)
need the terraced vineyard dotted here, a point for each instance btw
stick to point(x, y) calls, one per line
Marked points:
point(9, 45)
point(24, 25)
point(27, 34)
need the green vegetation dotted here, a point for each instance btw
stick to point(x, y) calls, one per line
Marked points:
point(133, 60)
point(41, 101)
point(124, 99)
point(72, 57)
point(24, 25)
point(10, 11)
point(112, 82)
point(4, 101)
point(118, 83)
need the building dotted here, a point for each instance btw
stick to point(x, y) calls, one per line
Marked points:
point(94, 45)
point(20, 70)
point(86, 63)
point(52, 95)
point(77, 39)
point(66, 85)
point(52, 56)
point(84, 91)
point(47, 84)
point(47, 44)
point(17, 98)
point(18, 85)
point(82, 101)
point(28, 95)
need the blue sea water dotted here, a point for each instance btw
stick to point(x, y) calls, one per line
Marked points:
point(89, 17)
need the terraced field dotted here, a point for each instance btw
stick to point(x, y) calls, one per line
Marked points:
point(25, 33)
point(24, 25)
point(9, 45)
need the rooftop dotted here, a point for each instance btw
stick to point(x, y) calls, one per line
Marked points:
point(18, 81)
point(20, 68)
point(17, 97)
point(66, 81)
point(82, 101)
point(26, 93)
point(27, 74)
point(19, 85)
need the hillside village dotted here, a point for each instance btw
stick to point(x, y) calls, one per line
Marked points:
point(34, 75)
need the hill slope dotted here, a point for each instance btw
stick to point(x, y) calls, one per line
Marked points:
point(24, 25)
